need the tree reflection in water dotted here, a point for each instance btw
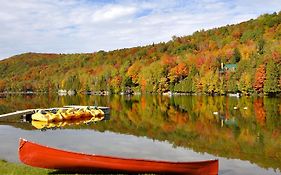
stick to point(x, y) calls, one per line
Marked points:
point(247, 128)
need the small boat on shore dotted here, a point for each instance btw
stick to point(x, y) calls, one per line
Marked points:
point(41, 156)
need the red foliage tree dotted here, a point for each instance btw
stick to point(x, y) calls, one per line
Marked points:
point(260, 77)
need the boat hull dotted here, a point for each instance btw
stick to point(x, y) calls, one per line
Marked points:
point(45, 157)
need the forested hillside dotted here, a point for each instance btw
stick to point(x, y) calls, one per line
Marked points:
point(236, 58)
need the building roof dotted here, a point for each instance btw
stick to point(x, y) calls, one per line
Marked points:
point(229, 66)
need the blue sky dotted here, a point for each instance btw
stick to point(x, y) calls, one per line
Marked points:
point(77, 26)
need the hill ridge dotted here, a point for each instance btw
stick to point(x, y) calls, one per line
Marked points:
point(196, 63)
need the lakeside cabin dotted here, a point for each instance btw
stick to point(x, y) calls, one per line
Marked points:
point(228, 68)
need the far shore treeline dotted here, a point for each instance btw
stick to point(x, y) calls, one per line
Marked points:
point(243, 58)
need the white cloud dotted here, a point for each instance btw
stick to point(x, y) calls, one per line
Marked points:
point(112, 12)
point(67, 26)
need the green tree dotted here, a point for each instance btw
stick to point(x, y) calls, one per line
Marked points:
point(73, 83)
point(210, 82)
point(185, 85)
point(261, 44)
point(271, 84)
point(222, 85)
point(236, 57)
point(245, 83)
point(154, 76)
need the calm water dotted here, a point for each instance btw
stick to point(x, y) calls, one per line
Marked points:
point(243, 133)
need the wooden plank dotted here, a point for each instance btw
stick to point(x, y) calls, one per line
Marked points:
point(23, 112)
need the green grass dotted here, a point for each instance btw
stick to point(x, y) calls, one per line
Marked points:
point(8, 168)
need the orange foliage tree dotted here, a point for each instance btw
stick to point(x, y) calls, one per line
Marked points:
point(168, 60)
point(178, 72)
point(2, 85)
point(133, 72)
point(116, 82)
point(260, 77)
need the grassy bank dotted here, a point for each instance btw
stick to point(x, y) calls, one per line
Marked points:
point(8, 168)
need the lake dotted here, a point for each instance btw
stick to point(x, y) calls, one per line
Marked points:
point(243, 133)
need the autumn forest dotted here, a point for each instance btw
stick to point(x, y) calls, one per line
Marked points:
point(244, 58)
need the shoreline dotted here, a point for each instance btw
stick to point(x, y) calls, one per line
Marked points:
point(169, 94)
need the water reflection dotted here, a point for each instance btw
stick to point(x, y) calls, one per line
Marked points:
point(244, 128)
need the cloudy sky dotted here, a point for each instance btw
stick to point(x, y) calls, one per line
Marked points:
point(77, 26)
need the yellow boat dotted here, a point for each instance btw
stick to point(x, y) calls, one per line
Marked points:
point(58, 117)
point(96, 112)
point(78, 113)
point(42, 115)
point(44, 124)
point(87, 112)
point(67, 114)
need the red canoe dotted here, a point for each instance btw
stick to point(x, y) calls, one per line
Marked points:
point(45, 157)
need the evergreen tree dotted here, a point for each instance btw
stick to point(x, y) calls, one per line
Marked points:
point(236, 56)
point(271, 84)
point(261, 44)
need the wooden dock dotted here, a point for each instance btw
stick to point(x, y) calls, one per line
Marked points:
point(20, 113)
point(26, 112)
